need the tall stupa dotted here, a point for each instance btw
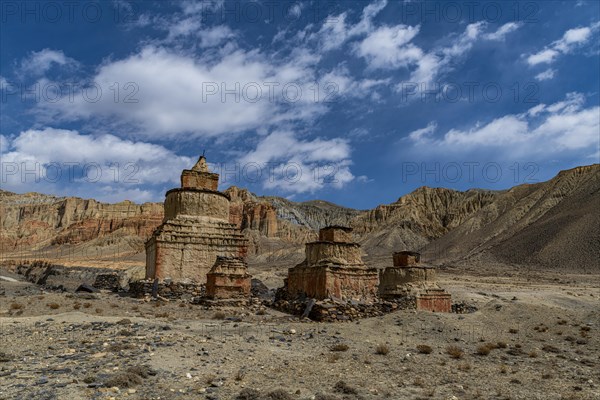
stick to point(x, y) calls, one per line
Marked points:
point(195, 230)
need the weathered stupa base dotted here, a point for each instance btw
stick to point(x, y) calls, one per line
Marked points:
point(323, 281)
point(333, 268)
point(408, 277)
point(436, 300)
point(228, 279)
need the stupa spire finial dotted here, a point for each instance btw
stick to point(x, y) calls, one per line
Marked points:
point(201, 165)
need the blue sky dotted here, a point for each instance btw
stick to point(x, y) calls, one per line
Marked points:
point(354, 102)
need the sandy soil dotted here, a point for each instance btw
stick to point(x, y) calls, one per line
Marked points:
point(541, 336)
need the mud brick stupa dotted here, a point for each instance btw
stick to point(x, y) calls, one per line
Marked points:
point(408, 277)
point(228, 279)
point(333, 268)
point(195, 230)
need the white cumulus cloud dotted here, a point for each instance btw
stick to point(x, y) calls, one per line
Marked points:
point(44, 160)
point(571, 40)
point(298, 166)
point(543, 131)
point(546, 75)
point(38, 63)
point(173, 94)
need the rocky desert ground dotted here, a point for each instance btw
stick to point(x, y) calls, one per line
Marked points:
point(534, 336)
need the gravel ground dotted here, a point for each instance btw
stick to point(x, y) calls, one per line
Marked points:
point(526, 341)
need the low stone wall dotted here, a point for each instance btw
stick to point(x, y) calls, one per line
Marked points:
point(171, 290)
point(463, 308)
point(109, 281)
point(331, 310)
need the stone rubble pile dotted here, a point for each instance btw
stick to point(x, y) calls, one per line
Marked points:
point(336, 310)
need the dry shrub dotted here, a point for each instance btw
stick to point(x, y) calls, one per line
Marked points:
point(340, 347)
point(116, 347)
point(76, 306)
point(219, 315)
point(424, 349)
point(99, 311)
point(515, 351)
point(16, 306)
point(562, 322)
point(240, 375)
point(382, 349)
point(455, 352)
point(142, 370)
point(551, 349)
point(278, 394)
point(513, 331)
point(502, 345)
point(333, 357)
point(464, 367)
point(325, 396)
point(162, 315)
point(533, 354)
point(87, 305)
point(210, 378)
point(130, 377)
point(53, 306)
point(420, 382)
point(344, 388)
point(124, 380)
point(248, 394)
point(484, 349)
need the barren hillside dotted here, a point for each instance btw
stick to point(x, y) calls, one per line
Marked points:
point(553, 224)
point(550, 224)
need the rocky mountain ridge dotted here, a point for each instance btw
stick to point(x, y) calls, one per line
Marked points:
point(447, 224)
